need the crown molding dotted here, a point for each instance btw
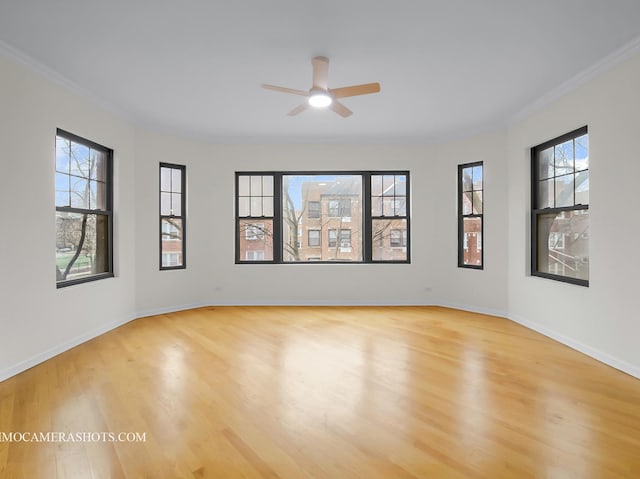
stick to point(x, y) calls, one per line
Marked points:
point(21, 58)
point(607, 63)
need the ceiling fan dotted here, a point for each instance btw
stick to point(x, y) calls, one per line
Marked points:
point(320, 95)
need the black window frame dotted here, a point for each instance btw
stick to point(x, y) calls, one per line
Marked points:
point(107, 211)
point(536, 212)
point(182, 216)
point(462, 216)
point(367, 217)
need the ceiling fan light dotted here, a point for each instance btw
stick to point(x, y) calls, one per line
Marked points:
point(320, 99)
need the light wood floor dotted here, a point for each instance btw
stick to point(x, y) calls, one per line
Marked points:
point(339, 393)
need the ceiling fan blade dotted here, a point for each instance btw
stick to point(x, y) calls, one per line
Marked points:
point(355, 90)
point(320, 72)
point(340, 109)
point(285, 90)
point(298, 109)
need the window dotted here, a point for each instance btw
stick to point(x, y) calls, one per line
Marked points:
point(333, 238)
point(254, 232)
point(470, 215)
point(314, 209)
point(255, 218)
point(282, 205)
point(560, 208)
point(314, 238)
point(389, 217)
point(173, 190)
point(398, 238)
point(339, 208)
point(84, 214)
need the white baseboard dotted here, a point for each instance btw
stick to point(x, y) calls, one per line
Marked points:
point(171, 309)
point(472, 308)
point(594, 353)
point(572, 343)
point(60, 348)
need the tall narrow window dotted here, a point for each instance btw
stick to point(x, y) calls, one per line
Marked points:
point(470, 215)
point(389, 217)
point(560, 208)
point(173, 191)
point(255, 218)
point(84, 214)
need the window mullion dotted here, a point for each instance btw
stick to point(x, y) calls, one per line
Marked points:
point(367, 227)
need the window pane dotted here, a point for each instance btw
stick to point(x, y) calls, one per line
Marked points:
point(62, 154)
point(244, 208)
point(389, 240)
point(376, 185)
point(472, 241)
point(564, 158)
point(80, 160)
point(388, 185)
point(267, 185)
point(582, 152)
point(256, 186)
point(401, 185)
point(176, 180)
point(256, 206)
point(98, 165)
point(165, 204)
point(80, 193)
point(81, 245)
point(172, 238)
point(376, 206)
point(165, 179)
point(400, 206)
point(243, 186)
point(176, 204)
point(563, 244)
point(582, 188)
point(267, 206)
point(545, 164)
point(256, 240)
point(467, 179)
point(338, 196)
point(62, 189)
point(564, 191)
point(477, 177)
point(467, 202)
point(545, 194)
point(477, 202)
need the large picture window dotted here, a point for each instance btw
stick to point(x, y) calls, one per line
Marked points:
point(470, 215)
point(560, 208)
point(84, 215)
point(346, 217)
point(172, 216)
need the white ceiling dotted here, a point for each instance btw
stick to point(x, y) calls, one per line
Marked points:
point(194, 67)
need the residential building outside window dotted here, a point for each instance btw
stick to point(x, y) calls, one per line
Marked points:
point(84, 210)
point(333, 210)
point(470, 215)
point(560, 208)
point(173, 191)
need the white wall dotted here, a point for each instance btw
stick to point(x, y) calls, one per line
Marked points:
point(213, 278)
point(602, 320)
point(37, 320)
point(476, 290)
